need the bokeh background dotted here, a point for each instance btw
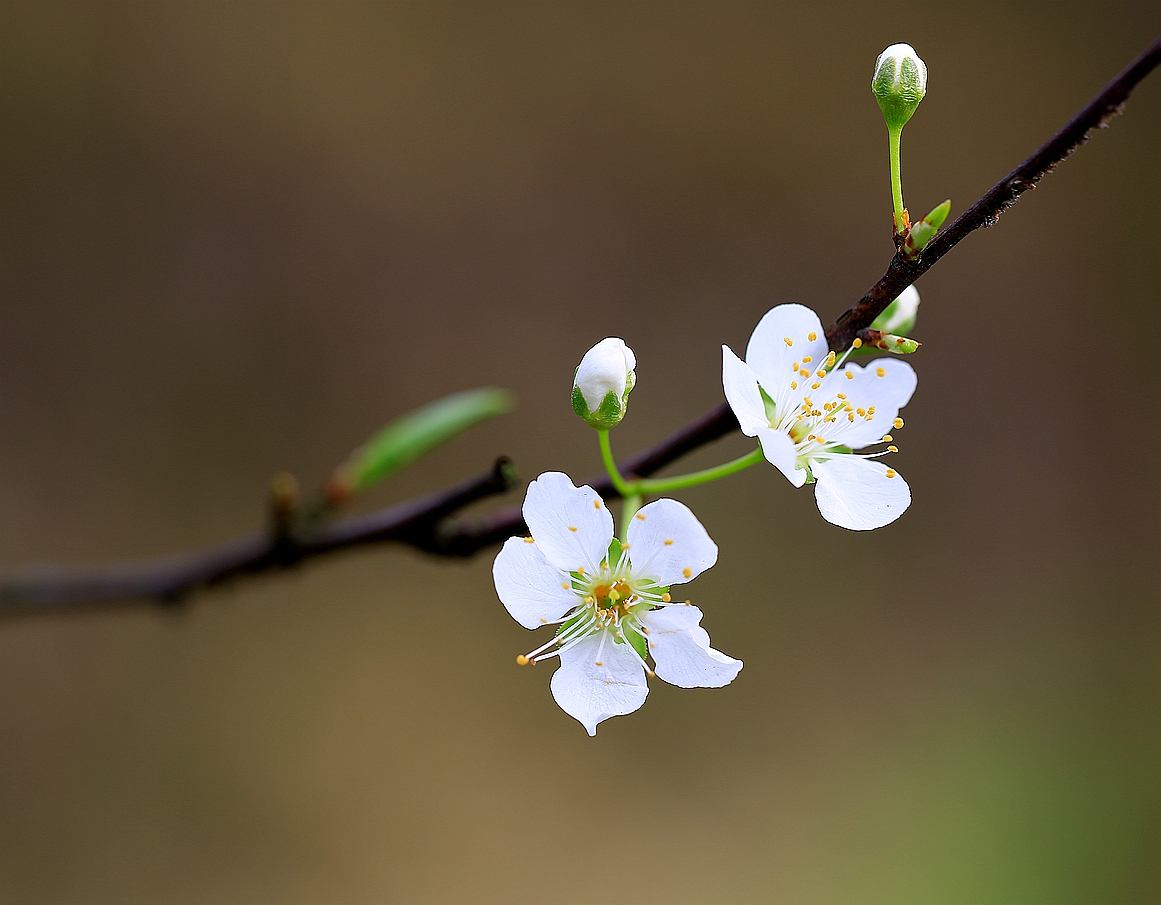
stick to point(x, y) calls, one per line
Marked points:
point(237, 237)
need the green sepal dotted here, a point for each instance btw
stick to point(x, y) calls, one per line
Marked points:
point(565, 626)
point(607, 416)
point(614, 556)
point(415, 434)
point(898, 101)
point(639, 643)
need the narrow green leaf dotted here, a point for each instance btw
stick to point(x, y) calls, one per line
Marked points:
point(415, 434)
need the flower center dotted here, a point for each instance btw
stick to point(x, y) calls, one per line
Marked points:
point(615, 595)
point(818, 408)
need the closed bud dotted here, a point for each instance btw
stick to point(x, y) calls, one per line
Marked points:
point(888, 342)
point(603, 381)
point(924, 231)
point(899, 83)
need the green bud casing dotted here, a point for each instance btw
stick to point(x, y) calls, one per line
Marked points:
point(899, 83)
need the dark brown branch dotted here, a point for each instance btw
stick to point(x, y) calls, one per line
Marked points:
point(171, 579)
point(423, 523)
point(900, 274)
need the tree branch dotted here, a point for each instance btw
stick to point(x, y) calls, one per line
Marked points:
point(424, 523)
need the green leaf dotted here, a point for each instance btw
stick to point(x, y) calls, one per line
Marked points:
point(412, 436)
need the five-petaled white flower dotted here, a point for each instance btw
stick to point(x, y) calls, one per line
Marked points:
point(810, 416)
point(610, 600)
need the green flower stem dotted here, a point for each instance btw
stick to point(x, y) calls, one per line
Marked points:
point(629, 507)
point(893, 139)
point(681, 482)
point(632, 492)
point(624, 488)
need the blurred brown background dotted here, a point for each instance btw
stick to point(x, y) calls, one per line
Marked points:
point(238, 237)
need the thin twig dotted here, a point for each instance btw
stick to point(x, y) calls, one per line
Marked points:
point(424, 524)
point(171, 579)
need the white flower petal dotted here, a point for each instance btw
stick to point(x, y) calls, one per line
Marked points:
point(668, 544)
point(770, 357)
point(681, 650)
point(598, 679)
point(571, 525)
point(886, 384)
point(857, 494)
point(604, 369)
point(742, 394)
point(533, 591)
point(780, 452)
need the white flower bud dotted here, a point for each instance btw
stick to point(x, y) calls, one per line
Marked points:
point(899, 83)
point(603, 381)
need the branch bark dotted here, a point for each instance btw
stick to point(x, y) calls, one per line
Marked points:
point(424, 523)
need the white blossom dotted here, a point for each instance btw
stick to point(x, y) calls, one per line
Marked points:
point(811, 414)
point(610, 601)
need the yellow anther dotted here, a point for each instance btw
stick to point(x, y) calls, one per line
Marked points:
point(821, 372)
point(590, 600)
point(830, 359)
point(565, 585)
point(850, 375)
point(687, 572)
point(572, 528)
point(815, 385)
point(890, 472)
point(842, 395)
point(529, 540)
point(892, 449)
point(812, 336)
point(668, 542)
point(522, 660)
point(794, 384)
point(794, 366)
point(881, 372)
point(887, 438)
point(580, 570)
point(898, 422)
point(598, 662)
point(861, 411)
point(665, 598)
point(804, 373)
point(596, 504)
point(807, 359)
point(850, 416)
point(870, 410)
point(857, 343)
point(614, 596)
point(789, 342)
point(640, 517)
point(806, 401)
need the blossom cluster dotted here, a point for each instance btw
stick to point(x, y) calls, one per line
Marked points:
point(817, 418)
